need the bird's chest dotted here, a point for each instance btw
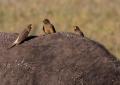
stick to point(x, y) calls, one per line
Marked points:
point(47, 29)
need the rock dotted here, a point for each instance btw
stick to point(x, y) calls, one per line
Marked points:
point(56, 59)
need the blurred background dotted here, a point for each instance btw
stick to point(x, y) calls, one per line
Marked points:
point(98, 19)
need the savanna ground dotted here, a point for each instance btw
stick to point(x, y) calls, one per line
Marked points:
point(98, 19)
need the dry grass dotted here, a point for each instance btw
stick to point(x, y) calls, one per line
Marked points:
point(98, 19)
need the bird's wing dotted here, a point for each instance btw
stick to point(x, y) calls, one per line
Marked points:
point(43, 29)
point(53, 28)
point(23, 35)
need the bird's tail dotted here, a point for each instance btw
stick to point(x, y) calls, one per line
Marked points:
point(11, 46)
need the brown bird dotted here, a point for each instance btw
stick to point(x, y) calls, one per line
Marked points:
point(48, 28)
point(22, 36)
point(78, 31)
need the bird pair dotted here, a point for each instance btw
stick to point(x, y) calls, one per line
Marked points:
point(48, 28)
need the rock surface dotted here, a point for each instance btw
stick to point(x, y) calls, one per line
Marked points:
point(56, 59)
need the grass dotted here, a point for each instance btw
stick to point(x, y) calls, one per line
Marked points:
point(98, 19)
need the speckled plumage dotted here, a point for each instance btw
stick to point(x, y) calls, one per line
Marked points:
point(22, 36)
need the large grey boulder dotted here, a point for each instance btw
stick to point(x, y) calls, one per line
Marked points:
point(56, 59)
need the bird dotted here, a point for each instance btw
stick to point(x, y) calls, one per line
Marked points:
point(22, 36)
point(78, 31)
point(48, 28)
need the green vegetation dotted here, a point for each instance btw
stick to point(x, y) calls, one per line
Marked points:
point(98, 19)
